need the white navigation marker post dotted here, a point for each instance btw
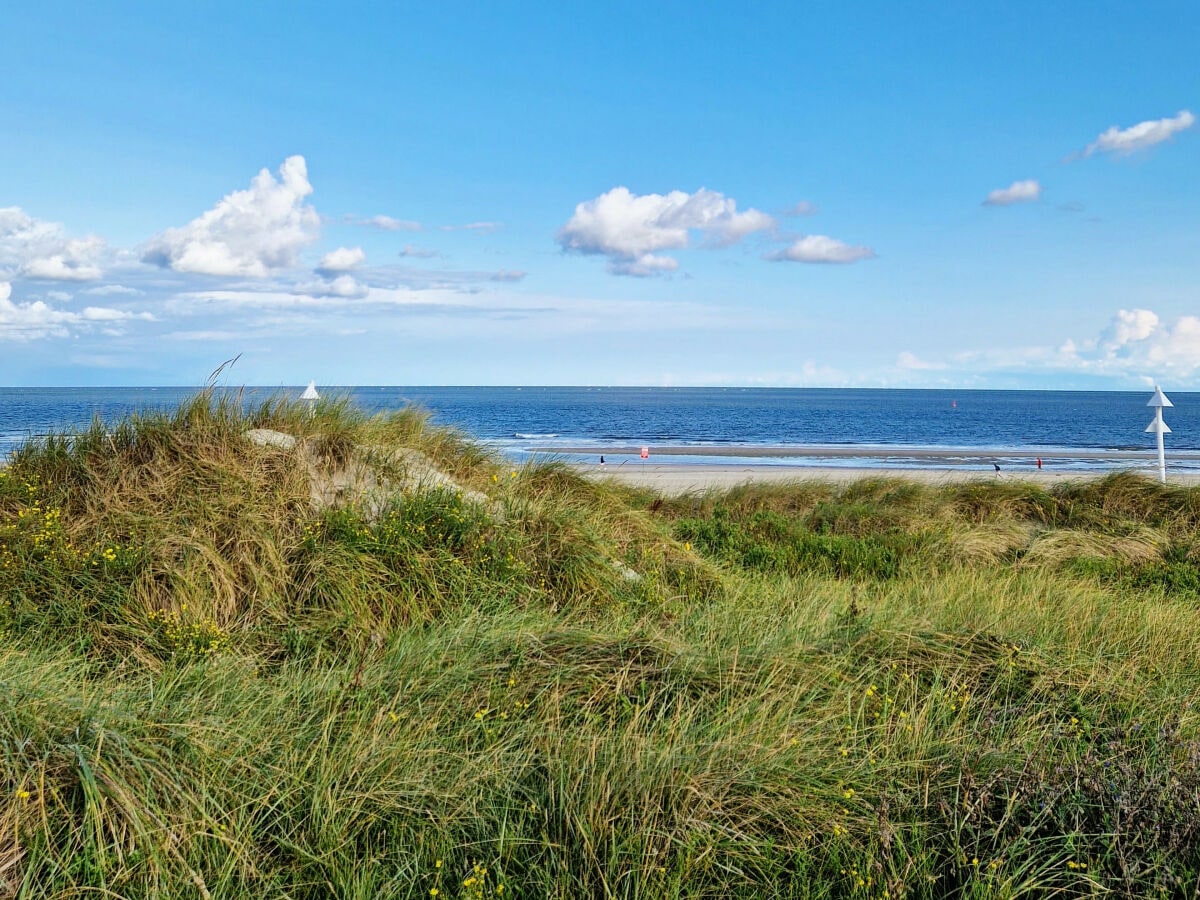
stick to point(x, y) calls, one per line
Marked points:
point(1159, 427)
point(310, 394)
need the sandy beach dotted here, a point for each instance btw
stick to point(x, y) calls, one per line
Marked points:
point(682, 479)
point(926, 465)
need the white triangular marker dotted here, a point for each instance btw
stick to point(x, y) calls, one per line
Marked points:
point(1159, 398)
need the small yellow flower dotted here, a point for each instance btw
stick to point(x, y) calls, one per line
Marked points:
point(23, 795)
point(438, 864)
point(433, 892)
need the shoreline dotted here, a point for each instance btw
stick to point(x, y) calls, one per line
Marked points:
point(856, 451)
point(684, 478)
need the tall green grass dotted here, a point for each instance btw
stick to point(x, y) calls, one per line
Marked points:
point(541, 685)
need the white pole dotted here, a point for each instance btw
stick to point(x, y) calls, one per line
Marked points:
point(1159, 427)
point(1162, 454)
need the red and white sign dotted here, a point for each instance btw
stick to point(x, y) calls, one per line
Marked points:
point(645, 453)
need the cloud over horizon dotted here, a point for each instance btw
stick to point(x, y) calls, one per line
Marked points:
point(251, 232)
point(37, 319)
point(629, 229)
point(1138, 342)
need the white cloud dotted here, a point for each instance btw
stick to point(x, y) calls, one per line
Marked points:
point(1137, 343)
point(343, 259)
point(387, 223)
point(508, 275)
point(251, 232)
point(344, 286)
point(1018, 192)
point(629, 228)
point(23, 237)
point(1128, 326)
point(1123, 141)
point(37, 249)
point(77, 261)
point(818, 248)
point(477, 227)
point(106, 314)
point(35, 320)
point(109, 289)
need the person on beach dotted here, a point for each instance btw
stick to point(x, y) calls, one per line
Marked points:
point(1039, 462)
point(601, 461)
point(996, 466)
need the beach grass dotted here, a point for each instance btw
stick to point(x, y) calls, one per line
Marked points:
point(524, 682)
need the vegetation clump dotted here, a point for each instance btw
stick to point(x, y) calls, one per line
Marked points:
point(216, 681)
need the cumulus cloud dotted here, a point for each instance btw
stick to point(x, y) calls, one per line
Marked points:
point(343, 286)
point(1123, 141)
point(1018, 192)
point(251, 232)
point(630, 228)
point(1127, 327)
point(343, 259)
point(37, 249)
point(1138, 342)
point(77, 261)
point(818, 248)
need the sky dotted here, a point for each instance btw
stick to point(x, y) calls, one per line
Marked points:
point(825, 194)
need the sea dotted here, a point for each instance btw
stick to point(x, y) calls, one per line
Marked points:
point(894, 428)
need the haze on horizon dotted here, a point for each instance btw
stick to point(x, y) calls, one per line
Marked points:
point(999, 195)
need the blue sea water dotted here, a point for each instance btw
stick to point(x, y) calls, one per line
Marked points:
point(521, 420)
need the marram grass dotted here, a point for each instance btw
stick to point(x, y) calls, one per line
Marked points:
point(534, 685)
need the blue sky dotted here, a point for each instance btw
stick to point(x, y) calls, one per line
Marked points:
point(831, 194)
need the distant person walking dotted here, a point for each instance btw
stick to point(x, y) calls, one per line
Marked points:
point(996, 466)
point(602, 460)
point(1039, 460)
